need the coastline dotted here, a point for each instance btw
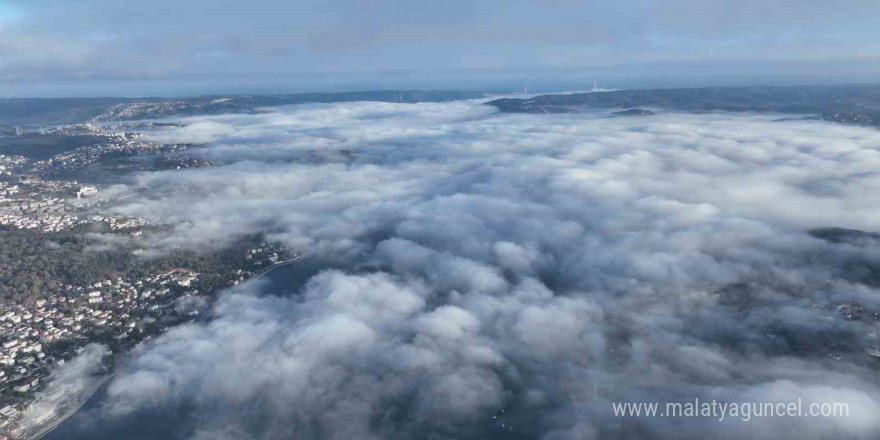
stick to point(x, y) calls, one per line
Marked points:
point(277, 265)
point(104, 379)
point(73, 410)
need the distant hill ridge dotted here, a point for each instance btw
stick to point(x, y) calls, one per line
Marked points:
point(853, 103)
point(57, 111)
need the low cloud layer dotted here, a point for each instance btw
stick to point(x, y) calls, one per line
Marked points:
point(509, 276)
point(68, 384)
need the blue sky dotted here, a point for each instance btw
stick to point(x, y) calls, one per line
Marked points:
point(165, 47)
point(8, 12)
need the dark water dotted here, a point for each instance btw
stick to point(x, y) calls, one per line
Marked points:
point(290, 278)
point(167, 423)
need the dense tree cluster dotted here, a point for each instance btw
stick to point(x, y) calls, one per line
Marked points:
point(34, 265)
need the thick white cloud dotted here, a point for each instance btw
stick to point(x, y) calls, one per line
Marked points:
point(530, 267)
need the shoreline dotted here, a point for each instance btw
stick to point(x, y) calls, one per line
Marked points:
point(73, 410)
point(103, 380)
point(274, 266)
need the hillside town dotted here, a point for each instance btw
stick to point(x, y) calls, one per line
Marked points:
point(116, 312)
point(53, 206)
point(120, 313)
point(82, 157)
point(71, 150)
point(46, 328)
point(33, 197)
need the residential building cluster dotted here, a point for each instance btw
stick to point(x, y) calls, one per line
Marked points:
point(119, 309)
point(128, 143)
point(120, 312)
point(119, 223)
point(7, 189)
point(266, 252)
point(33, 194)
point(86, 191)
point(79, 129)
point(179, 162)
point(142, 110)
point(10, 162)
point(48, 206)
point(44, 222)
point(56, 222)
